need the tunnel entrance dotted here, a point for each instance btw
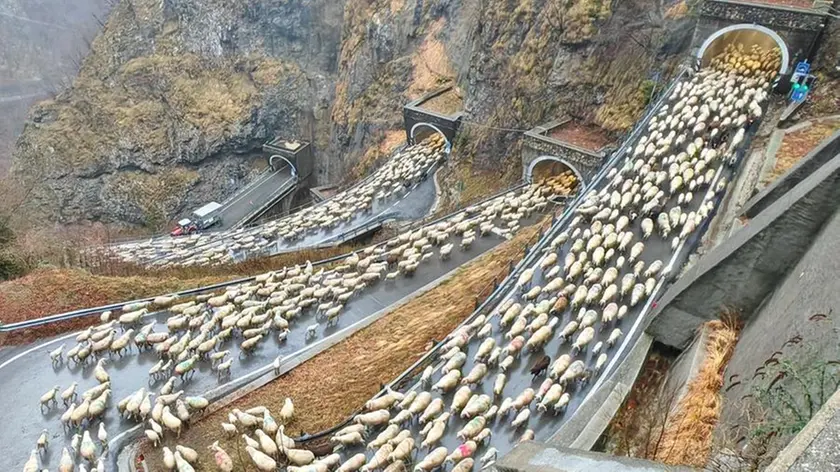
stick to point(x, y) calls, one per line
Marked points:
point(747, 34)
point(421, 131)
point(557, 170)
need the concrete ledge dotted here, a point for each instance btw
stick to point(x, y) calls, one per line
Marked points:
point(532, 456)
point(815, 447)
point(741, 272)
point(318, 193)
point(815, 159)
point(590, 419)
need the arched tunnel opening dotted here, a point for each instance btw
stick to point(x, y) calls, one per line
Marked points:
point(552, 171)
point(423, 131)
point(747, 49)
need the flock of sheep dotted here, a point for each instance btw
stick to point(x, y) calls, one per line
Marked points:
point(523, 361)
point(198, 328)
point(591, 276)
point(405, 168)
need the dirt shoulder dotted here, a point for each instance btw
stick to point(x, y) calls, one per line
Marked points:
point(50, 291)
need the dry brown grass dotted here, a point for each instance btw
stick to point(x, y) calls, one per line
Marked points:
point(799, 143)
point(241, 269)
point(583, 135)
point(447, 103)
point(687, 439)
point(638, 423)
point(329, 387)
point(52, 291)
point(62, 290)
point(432, 68)
point(677, 10)
point(397, 5)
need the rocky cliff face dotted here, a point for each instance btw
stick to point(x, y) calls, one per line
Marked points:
point(177, 94)
point(44, 41)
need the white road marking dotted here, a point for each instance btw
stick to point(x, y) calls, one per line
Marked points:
point(31, 350)
point(74, 333)
point(340, 334)
point(629, 336)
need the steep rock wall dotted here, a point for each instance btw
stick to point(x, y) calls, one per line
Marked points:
point(169, 105)
point(176, 95)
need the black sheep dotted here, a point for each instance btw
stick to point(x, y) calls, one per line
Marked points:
point(540, 366)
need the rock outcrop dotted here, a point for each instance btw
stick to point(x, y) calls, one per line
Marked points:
point(177, 95)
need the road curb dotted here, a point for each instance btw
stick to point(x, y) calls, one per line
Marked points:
point(589, 421)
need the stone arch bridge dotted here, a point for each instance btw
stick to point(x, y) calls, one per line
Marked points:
point(539, 149)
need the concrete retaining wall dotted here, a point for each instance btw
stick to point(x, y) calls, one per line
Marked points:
point(591, 419)
point(532, 456)
point(743, 270)
point(805, 167)
point(815, 447)
point(808, 288)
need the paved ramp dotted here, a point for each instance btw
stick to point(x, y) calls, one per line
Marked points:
point(257, 198)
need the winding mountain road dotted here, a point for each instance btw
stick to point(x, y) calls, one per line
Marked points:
point(28, 374)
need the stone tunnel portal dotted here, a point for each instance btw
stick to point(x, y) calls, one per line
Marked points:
point(421, 131)
point(748, 35)
point(547, 166)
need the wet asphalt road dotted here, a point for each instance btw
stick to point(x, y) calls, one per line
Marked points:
point(253, 197)
point(413, 204)
point(505, 436)
point(545, 424)
point(25, 379)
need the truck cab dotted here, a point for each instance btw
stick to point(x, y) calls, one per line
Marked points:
point(203, 218)
point(185, 226)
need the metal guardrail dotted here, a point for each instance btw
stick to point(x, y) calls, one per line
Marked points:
point(530, 258)
point(311, 204)
point(116, 306)
point(226, 202)
point(543, 241)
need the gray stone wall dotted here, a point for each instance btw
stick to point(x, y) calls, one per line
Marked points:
point(535, 145)
point(815, 159)
point(773, 17)
point(302, 158)
point(810, 287)
point(413, 113)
